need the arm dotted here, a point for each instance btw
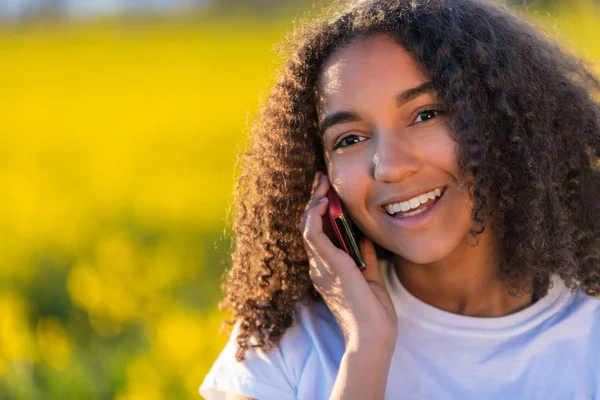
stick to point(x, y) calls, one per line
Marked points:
point(359, 301)
point(362, 375)
point(235, 396)
point(363, 372)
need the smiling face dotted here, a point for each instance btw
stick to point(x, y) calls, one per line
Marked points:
point(386, 141)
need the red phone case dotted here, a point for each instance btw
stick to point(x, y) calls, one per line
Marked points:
point(343, 231)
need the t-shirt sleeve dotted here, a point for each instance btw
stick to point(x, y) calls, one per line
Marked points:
point(261, 375)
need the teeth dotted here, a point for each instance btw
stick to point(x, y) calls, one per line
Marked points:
point(413, 203)
point(410, 214)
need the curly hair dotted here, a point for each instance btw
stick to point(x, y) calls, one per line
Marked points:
point(521, 109)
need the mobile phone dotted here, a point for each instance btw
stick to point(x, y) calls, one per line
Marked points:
point(342, 226)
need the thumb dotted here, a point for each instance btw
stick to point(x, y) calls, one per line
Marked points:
point(372, 272)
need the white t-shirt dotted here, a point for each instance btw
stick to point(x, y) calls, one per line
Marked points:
point(550, 350)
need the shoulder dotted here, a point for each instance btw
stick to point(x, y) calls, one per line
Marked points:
point(579, 338)
point(575, 328)
point(583, 307)
point(314, 338)
point(576, 312)
point(316, 325)
point(586, 310)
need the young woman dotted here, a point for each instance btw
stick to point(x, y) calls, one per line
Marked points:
point(463, 145)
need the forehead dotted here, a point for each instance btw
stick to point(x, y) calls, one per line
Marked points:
point(367, 65)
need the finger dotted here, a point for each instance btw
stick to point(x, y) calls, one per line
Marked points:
point(316, 180)
point(316, 244)
point(320, 244)
point(313, 224)
point(317, 193)
point(372, 272)
point(320, 191)
point(316, 196)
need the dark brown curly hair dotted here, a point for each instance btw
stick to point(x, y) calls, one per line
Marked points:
point(522, 111)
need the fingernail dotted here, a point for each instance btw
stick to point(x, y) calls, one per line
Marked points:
point(322, 178)
point(323, 200)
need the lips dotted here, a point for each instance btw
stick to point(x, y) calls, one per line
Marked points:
point(385, 206)
point(421, 219)
point(407, 214)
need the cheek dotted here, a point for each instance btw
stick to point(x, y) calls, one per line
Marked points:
point(347, 177)
point(352, 185)
point(443, 151)
point(441, 154)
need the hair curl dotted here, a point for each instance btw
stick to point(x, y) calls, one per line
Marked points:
point(521, 109)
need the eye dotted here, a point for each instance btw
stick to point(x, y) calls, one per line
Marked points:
point(426, 115)
point(348, 140)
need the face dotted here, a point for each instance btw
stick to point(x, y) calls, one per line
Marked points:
point(385, 142)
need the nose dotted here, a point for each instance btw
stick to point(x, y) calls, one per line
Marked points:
point(393, 162)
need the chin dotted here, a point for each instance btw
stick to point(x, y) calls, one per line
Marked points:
point(420, 259)
point(423, 252)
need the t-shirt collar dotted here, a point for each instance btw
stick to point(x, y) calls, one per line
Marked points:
point(408, 306)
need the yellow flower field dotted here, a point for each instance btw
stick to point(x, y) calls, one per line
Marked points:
point(116, 170)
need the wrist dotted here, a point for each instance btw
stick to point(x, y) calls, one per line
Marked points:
point(380, 342)
point(363, 370)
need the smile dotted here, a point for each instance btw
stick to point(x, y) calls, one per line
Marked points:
point(419, 215)
point(416, 205)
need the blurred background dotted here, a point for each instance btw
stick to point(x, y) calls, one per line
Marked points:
point(119, 125)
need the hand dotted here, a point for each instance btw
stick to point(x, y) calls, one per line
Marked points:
point(358, 300)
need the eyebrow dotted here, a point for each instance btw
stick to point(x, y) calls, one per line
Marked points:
point(402, 98)
point(339, 118)
point(410, 94)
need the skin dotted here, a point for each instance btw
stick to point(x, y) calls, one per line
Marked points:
point(391, 150)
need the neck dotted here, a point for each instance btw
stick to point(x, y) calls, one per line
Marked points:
point(466, 282)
